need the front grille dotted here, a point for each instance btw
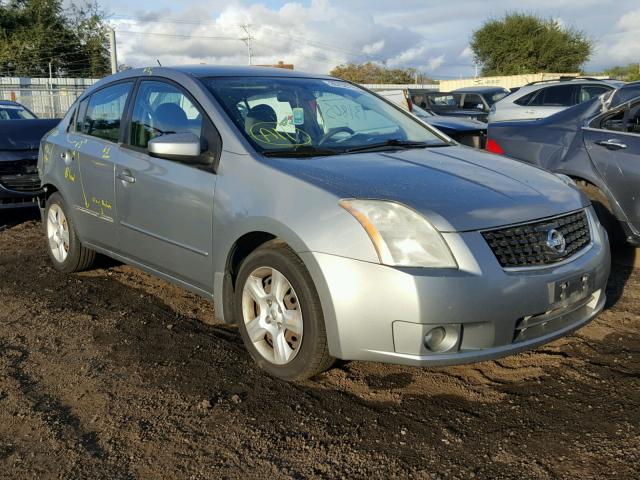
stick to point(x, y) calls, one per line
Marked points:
point(528, 245)
point(16, 167)
point(21, 183)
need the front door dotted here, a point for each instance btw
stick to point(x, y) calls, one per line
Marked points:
point(165, 208)
point(613, 143)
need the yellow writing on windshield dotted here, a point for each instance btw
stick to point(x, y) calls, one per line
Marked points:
point(265, 132)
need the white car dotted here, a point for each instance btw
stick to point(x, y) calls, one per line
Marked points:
point(542, 99)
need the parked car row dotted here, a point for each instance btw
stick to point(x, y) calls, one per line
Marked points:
point(323, 220)
point(597, 143)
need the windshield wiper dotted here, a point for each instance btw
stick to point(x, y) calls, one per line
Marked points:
point(303, 151)
point(390, 144)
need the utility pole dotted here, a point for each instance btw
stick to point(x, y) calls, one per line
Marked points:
point(247, 29)
point(53, 106)
point(112, 50)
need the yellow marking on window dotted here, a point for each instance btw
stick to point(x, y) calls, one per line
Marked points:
point(106, 152)
point(264, 132)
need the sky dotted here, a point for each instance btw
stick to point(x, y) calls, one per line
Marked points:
point(316, 35)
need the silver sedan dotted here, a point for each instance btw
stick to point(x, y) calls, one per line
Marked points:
point(323, 220)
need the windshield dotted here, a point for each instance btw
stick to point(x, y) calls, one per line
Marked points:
point(15, 112)
point(315, 115)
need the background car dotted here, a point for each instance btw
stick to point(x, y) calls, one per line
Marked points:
point(596, 143)
point(480, 97)
point(449, 104)
point(20, 134)
point(472, 133)
point(544, 98)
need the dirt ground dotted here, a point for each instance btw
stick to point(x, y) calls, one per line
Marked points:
point(111, 374)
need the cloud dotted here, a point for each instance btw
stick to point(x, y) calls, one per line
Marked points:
point(318, 35)
point(374, 47)
point(622, 45)
point(435, 62)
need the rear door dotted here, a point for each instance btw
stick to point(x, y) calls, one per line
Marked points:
point(613, 143)
point(165, 207)
point(87, 152)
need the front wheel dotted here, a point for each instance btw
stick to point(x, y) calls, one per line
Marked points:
point(279, 312)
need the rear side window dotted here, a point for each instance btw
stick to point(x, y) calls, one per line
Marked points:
point(587, 92)
point(557, 96)
point(472, 102)
point(80, 114)
point(104, 112)
point(525, 99)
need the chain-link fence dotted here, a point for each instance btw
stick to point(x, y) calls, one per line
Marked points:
point(47, 98)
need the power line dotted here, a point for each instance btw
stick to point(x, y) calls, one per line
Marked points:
point(176, 35)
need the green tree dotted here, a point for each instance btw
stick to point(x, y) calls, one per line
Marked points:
point(34, 33)
point(630, 73)
point(522, 43)
point(373, 73)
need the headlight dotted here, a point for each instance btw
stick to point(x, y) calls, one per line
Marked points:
point(401, 236)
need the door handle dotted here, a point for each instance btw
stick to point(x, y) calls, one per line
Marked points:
point(67, 157)
point(612, 144)
point(529, 111)
point(125, 176)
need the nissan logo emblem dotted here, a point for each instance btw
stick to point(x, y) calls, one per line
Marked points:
point(556, 241)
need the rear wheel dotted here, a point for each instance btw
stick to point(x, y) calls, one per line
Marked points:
point(65, 249)
point(281, 320)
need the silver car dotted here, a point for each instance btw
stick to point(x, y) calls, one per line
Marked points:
point(323, 220)
point(547, 97)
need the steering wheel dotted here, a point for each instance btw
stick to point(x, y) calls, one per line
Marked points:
point(334, 131)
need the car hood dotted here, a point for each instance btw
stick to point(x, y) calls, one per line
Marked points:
point(24, 134)
point(456, 188)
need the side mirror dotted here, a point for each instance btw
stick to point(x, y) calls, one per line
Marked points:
point(182, 147)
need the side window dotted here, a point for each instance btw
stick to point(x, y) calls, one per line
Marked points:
point(79, 116)
point(614, 122)
point(525, 99)
point(587, 92)
point(633, 122)
point(556, 96)
point(161, 108)
point(104, 112)
point(471, 102)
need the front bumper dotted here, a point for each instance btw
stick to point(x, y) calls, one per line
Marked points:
point(379, 313)
point(10, 199)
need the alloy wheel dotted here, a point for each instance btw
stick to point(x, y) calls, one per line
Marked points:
point(272, 315)
point(58, 233)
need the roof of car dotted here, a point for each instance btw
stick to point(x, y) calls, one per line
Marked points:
point(9, 102)
point(480, 89)
point(234, 71)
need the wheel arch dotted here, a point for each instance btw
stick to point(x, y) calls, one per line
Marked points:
point(240, 249)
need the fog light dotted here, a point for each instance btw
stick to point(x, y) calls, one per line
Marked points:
point(441, 339)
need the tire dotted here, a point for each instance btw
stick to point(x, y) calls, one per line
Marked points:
point(604, 212)
point(281, 273)
point(59, 229)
